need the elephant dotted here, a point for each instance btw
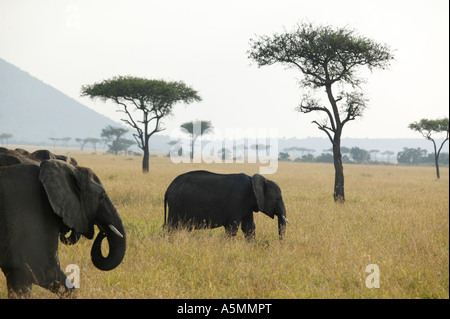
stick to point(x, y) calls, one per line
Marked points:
point(202, 199)
point(12, 157)
point(37, 201)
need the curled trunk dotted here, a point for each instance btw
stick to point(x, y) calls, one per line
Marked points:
point(113, 230)
point(116, 250)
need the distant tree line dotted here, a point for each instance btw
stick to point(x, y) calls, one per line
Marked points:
point(92, 140)
point(63, 140)
point(420, 156)
point(112, 137)
point(4, 137)
point(356, 155)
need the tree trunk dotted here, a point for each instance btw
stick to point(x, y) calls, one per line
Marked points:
point(192, 147)
point(339, 195)
point(145, 161)
point(436, 158)
point(146, 158)
point(436, 161)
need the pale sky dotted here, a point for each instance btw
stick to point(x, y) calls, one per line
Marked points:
point(68, 44)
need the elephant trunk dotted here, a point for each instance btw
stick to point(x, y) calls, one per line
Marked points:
point(112, 228)
point(281, 226)
point(72, 239)
point(282, 220)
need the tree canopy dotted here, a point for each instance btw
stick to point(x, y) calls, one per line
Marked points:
point(429, 127)
point(324, 54)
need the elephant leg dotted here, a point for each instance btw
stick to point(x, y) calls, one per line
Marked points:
point(60, 289)
point(248, 226)
point(18, 282)
point(170, 227)
point(231, 230)
point(56, 282)
point(174, 223)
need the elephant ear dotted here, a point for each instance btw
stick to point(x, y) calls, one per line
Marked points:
point(259, 185)
point(60, 184)
point(260, 189)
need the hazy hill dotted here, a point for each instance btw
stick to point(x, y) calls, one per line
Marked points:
point(33, 111)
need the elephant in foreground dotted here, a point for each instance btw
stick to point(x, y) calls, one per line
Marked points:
point(37, 202)
point(13, 157)
point(202, 199)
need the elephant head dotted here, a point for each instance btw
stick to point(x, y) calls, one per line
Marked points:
point(77, 196)
point(14, 157)
point(269, 201)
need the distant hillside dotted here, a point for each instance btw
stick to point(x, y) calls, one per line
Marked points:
point(33, 111)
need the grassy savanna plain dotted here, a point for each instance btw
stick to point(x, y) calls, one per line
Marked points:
point(395, 217)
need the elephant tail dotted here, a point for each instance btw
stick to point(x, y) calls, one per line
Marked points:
point(165, 210)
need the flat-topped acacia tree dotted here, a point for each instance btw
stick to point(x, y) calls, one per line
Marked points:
point(427, 128)
point(153, 98)
point(195, 129)
point(327, 57)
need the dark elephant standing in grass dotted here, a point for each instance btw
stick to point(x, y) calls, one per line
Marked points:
point(41, 199)
point(12, 157)
point(201, 199)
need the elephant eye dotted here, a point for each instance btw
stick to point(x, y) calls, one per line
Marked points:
point(102, 196)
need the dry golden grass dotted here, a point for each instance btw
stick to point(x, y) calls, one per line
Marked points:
point(395, 217)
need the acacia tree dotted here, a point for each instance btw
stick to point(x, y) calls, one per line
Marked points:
point(113, 136)
point(153, 98)
point(327, 57)
point(4, 137)
point(427, 128)
point(196, 129)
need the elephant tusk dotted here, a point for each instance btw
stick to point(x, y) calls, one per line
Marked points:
point(115, 231)
point(285, 219)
